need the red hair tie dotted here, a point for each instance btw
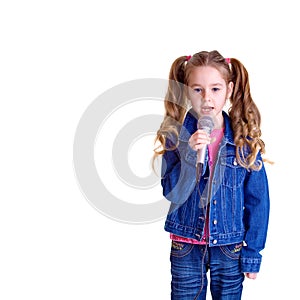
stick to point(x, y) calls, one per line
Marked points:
point(227, 60)
point(188, 57)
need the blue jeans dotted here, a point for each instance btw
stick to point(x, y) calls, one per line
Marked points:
point(189, 266)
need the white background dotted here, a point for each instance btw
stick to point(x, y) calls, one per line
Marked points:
point(56, 58)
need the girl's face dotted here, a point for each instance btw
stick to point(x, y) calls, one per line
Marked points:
point(208, 92)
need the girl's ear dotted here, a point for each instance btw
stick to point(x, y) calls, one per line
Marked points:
point(229, 89)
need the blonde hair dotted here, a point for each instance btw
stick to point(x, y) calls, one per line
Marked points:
point(244, 114)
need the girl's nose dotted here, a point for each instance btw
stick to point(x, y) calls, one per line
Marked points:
point(206, 95)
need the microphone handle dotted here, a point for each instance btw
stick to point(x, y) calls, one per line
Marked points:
point(200, 162)
point(201, 154)
point(199, 168)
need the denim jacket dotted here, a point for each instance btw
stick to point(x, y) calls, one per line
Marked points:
point(237, 199)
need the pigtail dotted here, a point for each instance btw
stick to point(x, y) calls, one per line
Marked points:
point(245, 119)
point(175, 100)
point(175, 107)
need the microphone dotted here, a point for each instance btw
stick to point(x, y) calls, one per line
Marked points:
point(205, 123)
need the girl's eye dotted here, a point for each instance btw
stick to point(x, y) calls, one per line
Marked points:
point(215, 89)
point(197, 90)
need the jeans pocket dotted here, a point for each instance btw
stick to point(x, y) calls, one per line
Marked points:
point(232, 251)
point(180, 249)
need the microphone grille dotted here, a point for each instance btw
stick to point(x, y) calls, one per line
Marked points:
point(206, 123)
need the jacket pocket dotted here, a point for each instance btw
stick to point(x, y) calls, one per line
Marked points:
point(233, 174)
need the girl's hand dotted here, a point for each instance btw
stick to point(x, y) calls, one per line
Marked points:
point(199, 139)
point(251, 275)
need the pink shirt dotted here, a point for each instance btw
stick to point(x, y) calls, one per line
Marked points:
point(216, 135)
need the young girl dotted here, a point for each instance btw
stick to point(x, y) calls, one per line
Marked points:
point(219, 222)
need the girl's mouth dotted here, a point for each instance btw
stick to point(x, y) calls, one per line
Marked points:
point(206, 109)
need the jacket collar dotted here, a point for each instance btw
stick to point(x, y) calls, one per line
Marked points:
point(228, 132)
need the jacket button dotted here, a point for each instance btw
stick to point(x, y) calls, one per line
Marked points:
point(215, 241)
point(215, 202)
point(215, 222)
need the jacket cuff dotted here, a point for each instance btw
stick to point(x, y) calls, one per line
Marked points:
point(190, 155)
point(250, 265)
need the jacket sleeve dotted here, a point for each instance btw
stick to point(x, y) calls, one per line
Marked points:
point(179, 173)
point(256, 218)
